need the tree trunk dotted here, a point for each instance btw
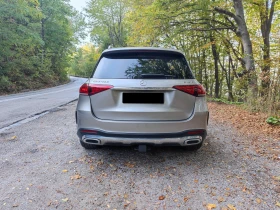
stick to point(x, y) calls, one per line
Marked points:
point(199, 76)
point(230, 79)
point(205, 72)
point(216, 60)
point(242, 32)
point(266, 16)
point(247, 46)
point(42, 35)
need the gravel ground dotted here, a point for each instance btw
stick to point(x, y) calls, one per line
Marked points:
point(43, 166)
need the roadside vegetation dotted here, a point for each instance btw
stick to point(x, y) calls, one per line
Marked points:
point(36, 39)
point(83, 61)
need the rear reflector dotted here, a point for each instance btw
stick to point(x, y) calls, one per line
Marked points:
point(196, 132)
point(89, 131)
point(91, 89)
point(195, 90)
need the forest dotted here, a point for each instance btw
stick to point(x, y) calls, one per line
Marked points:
point(233, 46)
point(37, 38)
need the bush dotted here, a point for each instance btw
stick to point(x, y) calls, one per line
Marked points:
point(273, 120)
point(5, 84)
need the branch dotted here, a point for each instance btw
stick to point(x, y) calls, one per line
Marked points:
point(271, 12)
point(226, 12)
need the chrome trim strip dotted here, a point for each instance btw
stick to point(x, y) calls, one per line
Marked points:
point(144, 88)
point(183, 141)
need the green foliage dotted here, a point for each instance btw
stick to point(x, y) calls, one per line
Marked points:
point(273, 120)
point(106, 22)
point(36, 38)
point(84, 61)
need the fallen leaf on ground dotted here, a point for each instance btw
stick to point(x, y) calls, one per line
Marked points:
point(126, 204)
point(162, 197)
point(77, 176)
point(13, 138)
point(129, 165)
point(15, 205)
point(231, 207)
point(211, 206)
point(186, 199)
point(64, 171)
point(221, 199)
point(65, 199)
point(277, 189)
point(258, 200)
point(277, 204)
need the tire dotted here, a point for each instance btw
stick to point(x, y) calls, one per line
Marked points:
point(88, 146)
point(194, 147)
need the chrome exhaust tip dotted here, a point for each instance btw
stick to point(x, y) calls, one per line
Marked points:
point(193, 140)
point(91, 140)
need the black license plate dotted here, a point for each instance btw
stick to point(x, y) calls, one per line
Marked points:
point(143, 98)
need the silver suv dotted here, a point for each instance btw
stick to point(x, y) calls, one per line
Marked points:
point(142, 96)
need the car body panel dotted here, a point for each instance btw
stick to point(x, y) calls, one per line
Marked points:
point(177, 105)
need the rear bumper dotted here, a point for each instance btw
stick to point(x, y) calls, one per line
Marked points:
point(185, 138)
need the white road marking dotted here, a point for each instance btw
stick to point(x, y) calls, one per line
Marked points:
point(29, 119)
point(28, 96)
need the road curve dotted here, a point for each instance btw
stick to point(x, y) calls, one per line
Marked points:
point(17, 107)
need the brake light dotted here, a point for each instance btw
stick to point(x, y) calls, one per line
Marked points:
point(195, 90)
point(91, 89)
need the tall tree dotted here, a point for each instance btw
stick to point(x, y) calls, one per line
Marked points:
point(19, 26)
point(266, 12)
point(243, 33)
point(107, 22)
point(36, 38)
point(57, 34)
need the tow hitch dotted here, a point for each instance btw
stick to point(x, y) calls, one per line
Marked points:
point(142, 148)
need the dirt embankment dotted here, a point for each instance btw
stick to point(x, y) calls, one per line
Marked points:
point(264, 137)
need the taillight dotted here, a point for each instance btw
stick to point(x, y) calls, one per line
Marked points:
point(195, 90)
point(91, 89)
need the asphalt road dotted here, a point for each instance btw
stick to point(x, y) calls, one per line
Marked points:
point(21, 106)
point(43, 166)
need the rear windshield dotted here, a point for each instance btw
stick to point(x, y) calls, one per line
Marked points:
point(143, 66)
